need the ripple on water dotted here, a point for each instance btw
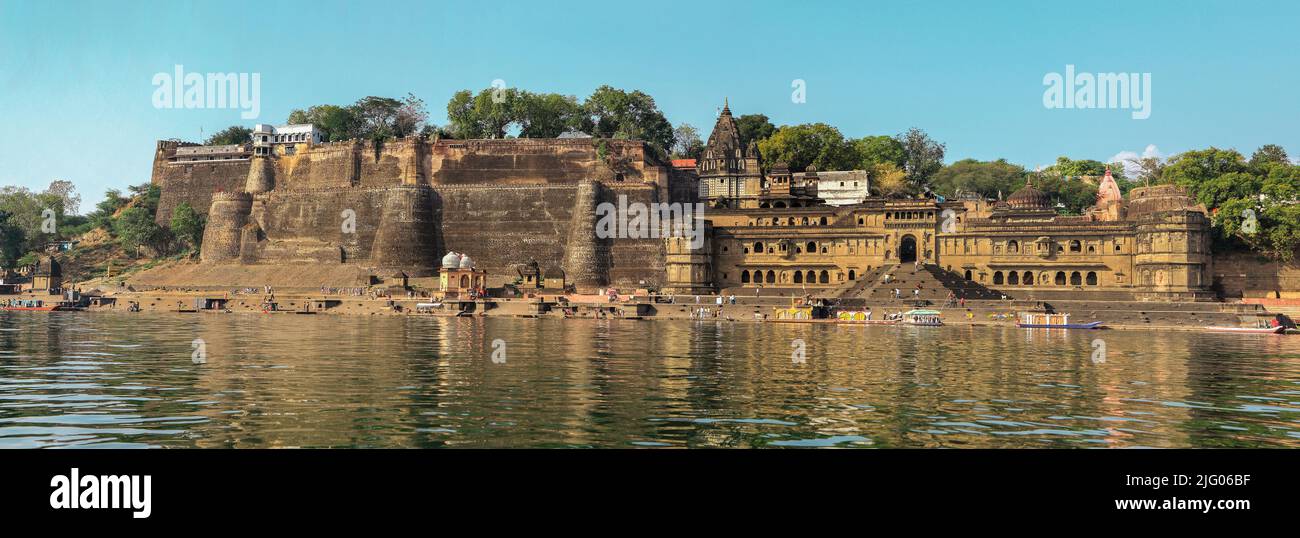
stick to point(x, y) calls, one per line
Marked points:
point(322, 381)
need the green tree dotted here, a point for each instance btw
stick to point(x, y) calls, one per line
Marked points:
point(816, 144)
point(1069, 168)
point(988, 178)
point(135, 228)
point(687, 143)
point(613, 113)
point(336, 123)
point(12, 241)
point(1269, 154)
point(1073, 194)
point(873, 150)
point(923, 156)
point(546, 115)
point(187, 225)
point(234, 134)
point(753, 127)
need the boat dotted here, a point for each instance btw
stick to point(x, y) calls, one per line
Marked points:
point(37, 305)
point(1248, 330)
point(923, 318)
point(858, 317)
point(1038, 320)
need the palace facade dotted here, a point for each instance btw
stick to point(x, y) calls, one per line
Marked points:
point(772, 231)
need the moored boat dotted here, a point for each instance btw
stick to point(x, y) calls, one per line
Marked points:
point(1032, 320)
point(1247, 330)
point(923, 318)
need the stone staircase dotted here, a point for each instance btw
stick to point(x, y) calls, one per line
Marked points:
point(934, 285)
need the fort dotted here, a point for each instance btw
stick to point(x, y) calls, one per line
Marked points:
point(527, 209)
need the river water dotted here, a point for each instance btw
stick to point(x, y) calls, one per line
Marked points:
point(214, 380)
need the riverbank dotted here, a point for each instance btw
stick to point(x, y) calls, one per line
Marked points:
point(363, 302)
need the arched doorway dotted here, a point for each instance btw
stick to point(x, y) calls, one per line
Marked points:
point(907, 249)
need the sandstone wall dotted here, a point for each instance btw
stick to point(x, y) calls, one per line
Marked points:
point(195, 183)
point(1243, 274)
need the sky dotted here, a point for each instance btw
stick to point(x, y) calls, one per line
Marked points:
point(77, 93)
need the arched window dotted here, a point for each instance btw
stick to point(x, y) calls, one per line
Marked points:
point(798, 277)
point(852, 275)
point(1076, 279)
point(1029, 278)
point(860, 221)
point(811, 247)
point(464, 281)
point(803, 221)
point(744, 276)
point(823, 221)
point(1013, 247)
point(1013, 278)
point(758, 247)
point(812, 277)
point(968, 274)
point(1074, 246)
point(1060, 278)
point(997, 277)
point(825, 278)
point(1091, 279)
point(771, 277)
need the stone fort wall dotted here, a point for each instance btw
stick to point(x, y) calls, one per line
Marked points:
point(500, 201)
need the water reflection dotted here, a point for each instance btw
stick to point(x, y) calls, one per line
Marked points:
point(127, 380)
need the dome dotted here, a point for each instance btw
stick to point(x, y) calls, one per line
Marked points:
point(451, 260)
point(1029, 198)
point(466, 262)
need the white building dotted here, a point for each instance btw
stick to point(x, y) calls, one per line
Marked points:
point(841, 188)
point(265, 136)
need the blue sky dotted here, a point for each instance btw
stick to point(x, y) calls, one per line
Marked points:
point(76, 77)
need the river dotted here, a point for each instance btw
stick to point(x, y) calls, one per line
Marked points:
point(80, 379)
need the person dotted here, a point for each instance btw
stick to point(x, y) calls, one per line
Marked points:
point(970, 316)
point(719, 301)
point(697, 299)
point(916, 293)
point(868, 313)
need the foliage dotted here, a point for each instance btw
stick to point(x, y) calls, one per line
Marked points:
point(372, 118)
point(687, 143)
point(753, 127)
point(235, 134)
point(888, 179)
point(922, 156)
point(816, 144)
point(988, 178)
point(187, 226)
point(874, 150)
point(1069, 168)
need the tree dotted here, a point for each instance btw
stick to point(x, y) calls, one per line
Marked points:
point(923, 156)
point(814, 144)
point(753, 127)
point(102, 216)
point(234, 134)
point(888, 179)
point(687, 143)
point(613, 113)
point(1074, 195)
point(873, 150)
point(546, 115)
point(1269, 154)
point(187, 225)
point(1069, 168)
point(410, 116)
point(988, 178)
point(66, 192)
point(12, 241)
point(336, 123)
point(135, 228)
